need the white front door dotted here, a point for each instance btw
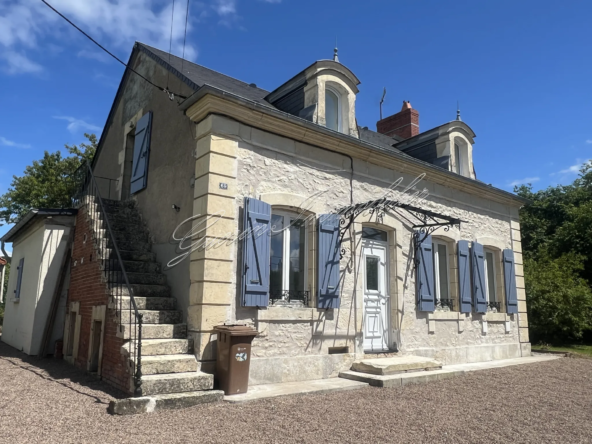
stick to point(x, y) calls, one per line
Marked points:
point(376, 299)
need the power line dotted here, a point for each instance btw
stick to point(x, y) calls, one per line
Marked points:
point(171, 94)
point(185, 38)
point(171, 40)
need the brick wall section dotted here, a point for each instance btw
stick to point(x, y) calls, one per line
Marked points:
point(88, 287)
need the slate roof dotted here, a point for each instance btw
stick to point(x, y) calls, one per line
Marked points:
point(200, 75)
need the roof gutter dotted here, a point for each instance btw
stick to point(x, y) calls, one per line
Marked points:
point(28, 218)
point(450, 176)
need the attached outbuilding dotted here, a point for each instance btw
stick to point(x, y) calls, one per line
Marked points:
point(39, 246)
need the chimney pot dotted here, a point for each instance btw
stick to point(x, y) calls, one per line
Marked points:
point(404, 124)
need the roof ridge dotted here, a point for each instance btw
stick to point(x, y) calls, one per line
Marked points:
point(150, 48)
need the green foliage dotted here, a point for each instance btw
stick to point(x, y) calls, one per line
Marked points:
point(557, 246)
point(47, 183)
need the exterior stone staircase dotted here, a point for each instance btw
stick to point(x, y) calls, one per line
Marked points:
point(169, 368)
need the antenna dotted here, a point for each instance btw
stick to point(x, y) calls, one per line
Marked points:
point(381, 101)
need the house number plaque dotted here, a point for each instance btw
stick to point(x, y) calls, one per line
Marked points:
point(223, 186)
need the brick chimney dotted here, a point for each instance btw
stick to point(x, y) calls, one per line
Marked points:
point(404, 124)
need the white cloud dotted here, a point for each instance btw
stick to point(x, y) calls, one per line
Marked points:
point(524, 181)
point(76, 125)
point(5, 142)
point(574, 169)
point(589, 141)
point(16, 62)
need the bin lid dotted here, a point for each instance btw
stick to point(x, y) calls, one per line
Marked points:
point(237, 330)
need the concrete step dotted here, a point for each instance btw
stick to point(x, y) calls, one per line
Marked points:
point(395, 365)
point(149, 404)
point(176, 383)
point(130, 245)
point(127, 255)
point(153, 347)
point(123, 236)
point(143, 303)
point(161, 316)
point(146, 278)
point(400, 379)
point(141, 267)
point(161, 291)
point(155, 365)
point(155, 331)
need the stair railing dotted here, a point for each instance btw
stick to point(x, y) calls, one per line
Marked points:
point(113, 267)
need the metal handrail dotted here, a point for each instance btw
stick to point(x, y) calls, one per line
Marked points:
point(114, 271)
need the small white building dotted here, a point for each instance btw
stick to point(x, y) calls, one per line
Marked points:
point(39, 242)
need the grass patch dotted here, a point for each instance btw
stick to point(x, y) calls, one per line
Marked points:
point(580, 349)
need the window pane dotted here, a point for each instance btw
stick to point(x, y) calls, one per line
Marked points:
point(297, 255)
point(490, 276)
point(331, 110)
point(374, 234)
point(276, 253)
point(443, 271)
point(371, 273)
point(458, 159)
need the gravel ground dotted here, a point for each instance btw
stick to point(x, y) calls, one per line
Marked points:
point(551, 402)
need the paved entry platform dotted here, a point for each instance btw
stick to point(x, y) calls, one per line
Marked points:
point(295, 388)
point(447, 371)
point(351, 380)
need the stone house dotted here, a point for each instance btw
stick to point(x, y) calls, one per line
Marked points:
point(232, 204)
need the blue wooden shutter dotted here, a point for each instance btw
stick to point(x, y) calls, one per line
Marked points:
point(424, 274)
point(478, 265)
point(510, 282)
point(19, 278)
point(464, 277)
point(141, 153)
point(256, 246)
point(328, 261)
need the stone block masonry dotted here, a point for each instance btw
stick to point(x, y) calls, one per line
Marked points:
point(87, 287)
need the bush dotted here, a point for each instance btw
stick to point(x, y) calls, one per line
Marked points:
point(559, 299)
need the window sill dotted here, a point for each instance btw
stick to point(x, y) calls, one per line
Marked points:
point(495, 317)
point(15, 300)
point(444, 316)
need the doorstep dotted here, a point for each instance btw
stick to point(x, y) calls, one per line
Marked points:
point(447, 371)
point(264, 391)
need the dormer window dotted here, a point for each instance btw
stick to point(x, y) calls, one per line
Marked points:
point(458, 158)
point(332, 110)
point(461, 157)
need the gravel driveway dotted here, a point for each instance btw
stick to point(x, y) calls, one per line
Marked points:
point(47, 401)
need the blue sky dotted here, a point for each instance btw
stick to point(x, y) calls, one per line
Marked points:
point(521, 70)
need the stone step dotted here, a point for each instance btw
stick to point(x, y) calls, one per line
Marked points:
point(142, 303)
point(130, 245)
point(155, 331)
point(400, 379)
point(176, 383)
point(161, 316)
point(149, 404)
point(156, 365)
point(118, 221)
point(147, 278)
point(136, 256)
point(153, 347)
point(144, 290)
point(141, 267)
point(395, 365)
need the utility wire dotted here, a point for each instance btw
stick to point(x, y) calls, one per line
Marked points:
point(171, 94)
point(185, 38)
point(171, 41)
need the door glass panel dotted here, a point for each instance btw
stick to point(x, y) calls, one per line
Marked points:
point(490, 276)
point(276, 253)
point(331, 110)
point(443, 271)
point(372, 273)
point(297, 253)
point(374, 234)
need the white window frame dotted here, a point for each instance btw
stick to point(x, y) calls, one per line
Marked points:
point(436, 242)
point(287, 215)
point(339, 108)
point(487, 295)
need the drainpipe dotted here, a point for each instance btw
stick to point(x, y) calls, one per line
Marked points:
point(6, 256)
point(2, 284)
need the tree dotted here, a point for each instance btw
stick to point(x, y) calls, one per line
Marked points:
point(557, 246)
point(47, 183)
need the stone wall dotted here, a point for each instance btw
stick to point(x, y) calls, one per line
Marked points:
point(286, 173)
